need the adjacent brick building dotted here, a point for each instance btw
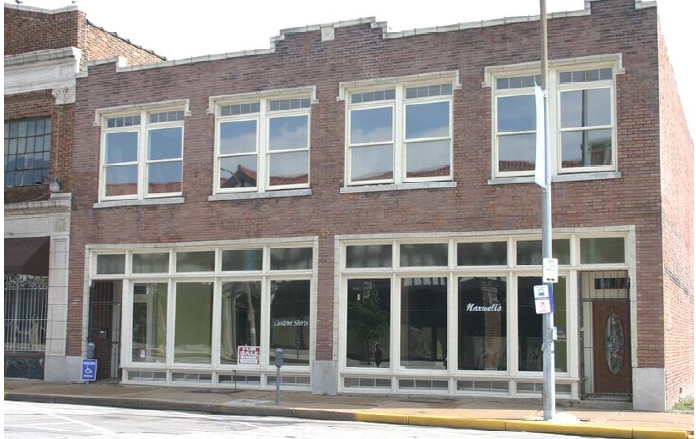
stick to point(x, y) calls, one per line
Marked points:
point(44, 50)
point(364, 200)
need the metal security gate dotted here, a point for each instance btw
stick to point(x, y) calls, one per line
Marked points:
point(605, 334)
point(25, 313)
point(105, 327)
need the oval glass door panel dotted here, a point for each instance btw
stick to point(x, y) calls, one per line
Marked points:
point(614, 343)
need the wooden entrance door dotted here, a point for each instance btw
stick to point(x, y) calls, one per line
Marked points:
point(610, 339)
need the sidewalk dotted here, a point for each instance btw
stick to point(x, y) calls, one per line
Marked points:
point(459, 413)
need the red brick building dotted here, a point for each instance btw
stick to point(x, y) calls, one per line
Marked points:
point(44, 50)
point(364, 200)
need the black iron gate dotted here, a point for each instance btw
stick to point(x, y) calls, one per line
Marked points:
point(105, 327)
point(605, 334)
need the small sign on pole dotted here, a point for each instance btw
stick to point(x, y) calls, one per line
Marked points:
point(89, 370)
point(550, 270)
point(543, 299)
point(248, 354)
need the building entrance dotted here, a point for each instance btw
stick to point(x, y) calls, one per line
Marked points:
point(105, 327)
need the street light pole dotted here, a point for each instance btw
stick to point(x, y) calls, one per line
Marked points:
point(549, 390)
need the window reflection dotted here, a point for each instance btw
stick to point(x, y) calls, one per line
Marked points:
point(290, 321)
point(194, 317)
point(367, 340)
point(149, 323)
point(424, 323)
point(240, 319)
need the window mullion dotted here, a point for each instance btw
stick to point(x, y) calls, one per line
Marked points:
point(142, 156)
point(262, 148)
point(398, 137)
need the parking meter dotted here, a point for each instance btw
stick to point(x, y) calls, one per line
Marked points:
point(279, 363)
point(90, 350)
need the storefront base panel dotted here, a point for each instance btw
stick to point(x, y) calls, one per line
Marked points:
point(649, 389)
point(324, 378)
point(63, 368)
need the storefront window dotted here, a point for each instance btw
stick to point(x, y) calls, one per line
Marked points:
point(150, 263)
point(291, 258)
point(242, 260)
point(367, 342)
point(423, 255)
point(530, 252)
point(530, 326)
point(111, 264)
point(482, 323)
point(195, 261)
point(150, 322)
point(241, 318)
point(290, 321)
point(482, 253)
point(367, 256)
point(601, 250)
point(424, 323)
point(194, 315)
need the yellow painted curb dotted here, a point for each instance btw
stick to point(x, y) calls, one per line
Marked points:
point(574, 429)
point(454, 422)
point(386, 418)
point(647, 433)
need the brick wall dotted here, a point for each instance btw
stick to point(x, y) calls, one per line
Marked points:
point(677, 171)
point(27, 31)
point(360, 52)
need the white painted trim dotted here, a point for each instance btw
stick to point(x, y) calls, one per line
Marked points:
point(61, 203)
point(580, 176)
point(38, 56)
point(278, 93)
point(403, 81)
point(101, 113)
point(143, 202)
point(260, 195)
point(26, 8)
point(398, 187)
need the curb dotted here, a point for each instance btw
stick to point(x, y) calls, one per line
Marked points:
point(361, 416)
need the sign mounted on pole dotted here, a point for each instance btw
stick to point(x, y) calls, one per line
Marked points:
point(89, 370)
point(543, 299)
point(550, 270)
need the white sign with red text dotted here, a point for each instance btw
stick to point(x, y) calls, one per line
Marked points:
point(248, 354)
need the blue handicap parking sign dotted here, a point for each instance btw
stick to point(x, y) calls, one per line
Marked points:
point(89, 370)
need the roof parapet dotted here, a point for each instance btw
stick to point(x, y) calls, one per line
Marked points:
point(71, 8)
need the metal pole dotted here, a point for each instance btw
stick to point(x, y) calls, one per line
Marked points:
point(278, 385)
point(549, 389)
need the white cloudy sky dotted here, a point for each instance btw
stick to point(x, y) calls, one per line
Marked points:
point(181, 29)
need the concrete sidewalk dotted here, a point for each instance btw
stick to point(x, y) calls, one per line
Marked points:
point(487, 414)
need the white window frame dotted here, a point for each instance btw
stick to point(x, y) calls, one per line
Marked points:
point(143, 111)
point(526, 91)
point(262, 118)
point(555, 88)
point(398, 105)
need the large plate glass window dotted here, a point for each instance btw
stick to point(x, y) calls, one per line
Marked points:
point(290, 321)
point(368, 328)
point(149, 322)
point(142, 155)
point(194, 319)
point(424, 323)
point(27, 152)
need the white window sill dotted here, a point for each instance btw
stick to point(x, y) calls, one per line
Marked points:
point(258, 195)
point(559, 178)
point(146, 202)
point(398, 187)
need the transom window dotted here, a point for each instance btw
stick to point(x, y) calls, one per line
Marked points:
point(262, 145)
point(27, 152)
point(400, 134)
point(582, 123)
point(142, 154)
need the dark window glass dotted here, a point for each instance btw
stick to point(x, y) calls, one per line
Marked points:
point(242, 260)
point(530, 252)
point(424, 323)
point(602, 250)
point(368, 328)
point(193, 322)
point(195, 261)
point(423, 255)
point(529, 325)
point(358, 256)
point(111, 264)
point(482, 323)
point(482, 253)
point(291, 258)
point(290, 321)
point(22, 139)
point(586, 148)
point(150, 262)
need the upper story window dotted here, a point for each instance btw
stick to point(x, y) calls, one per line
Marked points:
point(27, 152)
point(582, 118)
point(262, 141)
point(142, 152)
point(399, 133)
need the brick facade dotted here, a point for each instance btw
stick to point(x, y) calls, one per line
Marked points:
point(677, 170)
point(358, 52)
